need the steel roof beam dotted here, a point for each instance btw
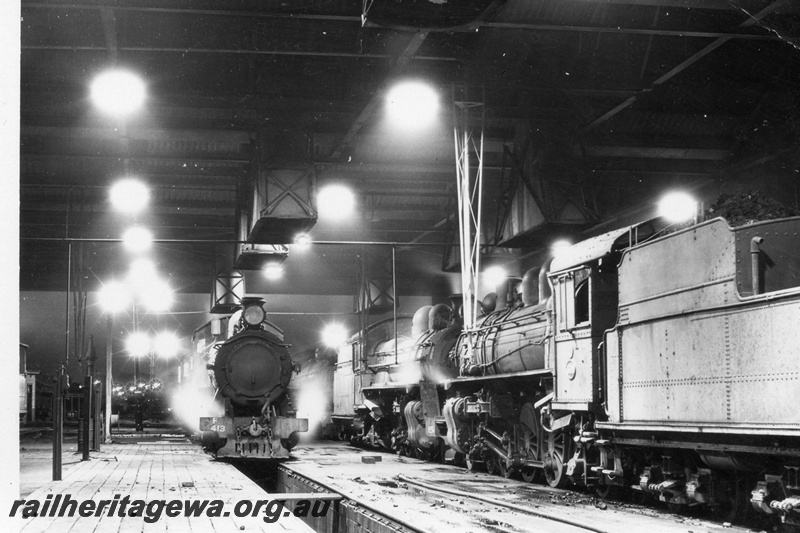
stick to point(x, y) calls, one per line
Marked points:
point(683, 65)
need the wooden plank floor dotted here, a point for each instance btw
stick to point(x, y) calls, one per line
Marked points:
point(161, 470)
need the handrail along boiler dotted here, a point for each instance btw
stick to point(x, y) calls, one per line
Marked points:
point(663, 362)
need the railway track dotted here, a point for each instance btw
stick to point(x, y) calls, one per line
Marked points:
point(551, 516)
point(425, 500)
point(399, 494)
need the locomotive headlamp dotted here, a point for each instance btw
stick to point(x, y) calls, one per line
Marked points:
point(253, 315)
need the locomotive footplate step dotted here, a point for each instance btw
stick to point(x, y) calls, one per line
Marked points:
point(166, 471)
point(405, 494)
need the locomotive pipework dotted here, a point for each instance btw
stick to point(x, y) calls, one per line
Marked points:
point(664, 362)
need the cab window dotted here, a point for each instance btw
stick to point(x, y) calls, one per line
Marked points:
point(574, 299)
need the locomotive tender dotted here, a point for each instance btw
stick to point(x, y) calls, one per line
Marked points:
point(666, 363)
point(250, 370)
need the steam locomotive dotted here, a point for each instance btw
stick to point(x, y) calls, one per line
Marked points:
point(249, 368)
point(664, 362)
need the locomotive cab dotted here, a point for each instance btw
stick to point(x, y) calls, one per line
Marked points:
point(584, 283)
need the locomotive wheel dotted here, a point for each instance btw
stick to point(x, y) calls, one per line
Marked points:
point(422, 454)
point(608, 492)
point(529, 474)
point(503, 469)
point(530, 441)
point(558, 445)
point(506, 471)
point(677, 508)
point(492, 464)
point(472, 465)
point(529, 432)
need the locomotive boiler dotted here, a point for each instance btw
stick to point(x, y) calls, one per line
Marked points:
point(250, 371)
point(646, 358)
point(386, 377)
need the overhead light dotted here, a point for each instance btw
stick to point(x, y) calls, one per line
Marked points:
point(335, 202)
point(157, 296)
point(129, 195)
point(138, 344)
point(412, 105)
point(114, 297)
point(494, 276)
point(302, 241)
point(559, 245)
point(334, 335)
point(141, 274)
point(137, 239)
point(118, 92)
point(677, 207)
point(273, 271)
point(166, 344)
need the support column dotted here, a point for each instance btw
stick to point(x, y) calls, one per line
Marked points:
point(468, 125)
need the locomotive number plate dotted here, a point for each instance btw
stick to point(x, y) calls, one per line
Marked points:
point(220, 425)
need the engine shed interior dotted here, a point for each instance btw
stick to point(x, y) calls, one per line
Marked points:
point(589, 111)
point(551, 240)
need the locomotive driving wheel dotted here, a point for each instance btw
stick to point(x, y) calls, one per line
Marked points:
point(492, 463)
point(503, 469)
point(529, 435)
point(558, 449)
point(471, 464)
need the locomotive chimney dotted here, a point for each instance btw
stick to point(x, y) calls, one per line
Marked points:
point(439, 317)
point(456, 304)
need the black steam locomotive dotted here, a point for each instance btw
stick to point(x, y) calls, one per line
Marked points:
point(249, 368)
point(663, 363)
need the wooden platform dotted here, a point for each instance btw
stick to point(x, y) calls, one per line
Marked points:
point(168, 470)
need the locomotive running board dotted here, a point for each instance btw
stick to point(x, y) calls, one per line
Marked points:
point(543, 372)
point(709, 446)
point(769, 431)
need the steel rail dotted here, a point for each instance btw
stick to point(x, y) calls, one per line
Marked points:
point(492, 501)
